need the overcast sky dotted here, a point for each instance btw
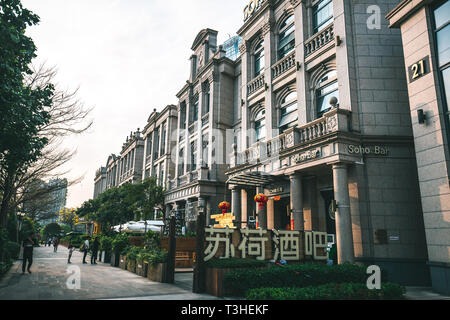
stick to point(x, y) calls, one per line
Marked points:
point(128, 57)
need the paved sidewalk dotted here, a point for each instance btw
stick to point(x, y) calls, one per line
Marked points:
point(50, 274)
point(423, 293)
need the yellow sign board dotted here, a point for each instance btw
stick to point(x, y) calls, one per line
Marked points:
point(224, 220)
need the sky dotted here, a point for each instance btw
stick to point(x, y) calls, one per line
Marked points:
point(127, 57)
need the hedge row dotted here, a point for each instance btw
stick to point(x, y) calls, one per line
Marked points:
point(301, 275)
point(330, 291)
point(233, 263)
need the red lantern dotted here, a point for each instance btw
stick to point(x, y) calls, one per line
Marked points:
point(224, 206)
point(261, 199)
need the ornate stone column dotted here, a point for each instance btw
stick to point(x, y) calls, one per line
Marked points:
point(297, 201)
point(344, 236)
point(236, 204)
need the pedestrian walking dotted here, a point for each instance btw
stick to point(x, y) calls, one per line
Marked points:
point(28, 245)
point(55, 244)
point(94, 252)
point(71, 249)
point(85, 249)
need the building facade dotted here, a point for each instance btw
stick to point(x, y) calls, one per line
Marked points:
point(324, 117)
point(204, 117)
point(425, 30)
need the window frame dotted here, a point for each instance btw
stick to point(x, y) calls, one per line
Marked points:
point(282, 30)
point(260, 117)
point(321, 85)
point(284, 105)
point(259, 55)
point(319, 27)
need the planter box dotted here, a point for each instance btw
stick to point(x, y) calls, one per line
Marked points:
point(115, 259)
point(142, 268)
point(157, 273)
point(131, 265)
point(106, 257)
point(123, 262)
point(214, 281)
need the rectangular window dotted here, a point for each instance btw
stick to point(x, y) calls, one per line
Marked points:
point(163, 140)
point(149, 145)
point(322, 15)
point(259, 63)
point(195, 111)
point(193, 163)
point(442, 32)
point(156, 147)
point(183, 115)
point(181, 162)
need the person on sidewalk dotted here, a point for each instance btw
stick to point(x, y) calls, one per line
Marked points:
point(71, 249)
point(55, 244)
point(94, 252)
point(85, 249)
point(28, 245)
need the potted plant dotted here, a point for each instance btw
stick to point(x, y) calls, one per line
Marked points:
point(131, 258)
point(142, 263)
point(157, 263)
point(119, 243)
point(106, 247)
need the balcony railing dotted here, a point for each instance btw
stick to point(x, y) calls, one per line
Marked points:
point(283, 65)
point(332, 121)
point(205, 119)
point(255, 84)
point(319, 40)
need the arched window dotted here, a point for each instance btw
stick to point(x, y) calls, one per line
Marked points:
point(258, 57)
point(260, 125)
point(288, 112)
point(327, 87)
point(286, 38)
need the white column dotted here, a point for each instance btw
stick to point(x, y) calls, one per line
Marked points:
point(344, 236)
point(236, 204)
point(297, 202)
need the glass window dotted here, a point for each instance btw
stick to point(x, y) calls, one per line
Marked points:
point(286, 39)
point(193, 156)
point(195, 110)
point(181, 162)
point(183, 115)
point(163, 141)
point(149, 145)
point(259, 58)
point(288, 114)
point(442, 24)
point(156, 146)
point(323, 97)
point(260, 125)
point(322, 15)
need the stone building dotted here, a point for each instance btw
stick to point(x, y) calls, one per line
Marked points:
point(99, 181)
point(204, 116)
point(159, 142)
point(324, 117)
point(425, 30)
point(131, 159)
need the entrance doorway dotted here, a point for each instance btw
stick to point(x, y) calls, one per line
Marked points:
point(282, 214)
point(328, 196)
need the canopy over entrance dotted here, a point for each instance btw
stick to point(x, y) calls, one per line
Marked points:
point(256, 179)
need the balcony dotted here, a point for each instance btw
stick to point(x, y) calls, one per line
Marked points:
point(205, 119)
point(319, 40)
point(332, 121)
point(283, 65)
point(255, 84)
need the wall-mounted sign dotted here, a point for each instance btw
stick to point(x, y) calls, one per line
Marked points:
point(276, 190)
point(419, 69)
point(376, 150)
point(252, 6)
point(312, 154)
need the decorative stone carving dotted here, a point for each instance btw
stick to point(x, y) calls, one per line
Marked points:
point(332, 124)
point(294, 3)
point(243, 47)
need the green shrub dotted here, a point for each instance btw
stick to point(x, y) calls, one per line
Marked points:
point(106, 243)
point(120, 242)
point(152, 240)
point(12, 249)
point(156, 256)
point(125, 251)
point(5, 266)
point(233, 263)
point(300, 275)
point(133, 253)
point(329, 291)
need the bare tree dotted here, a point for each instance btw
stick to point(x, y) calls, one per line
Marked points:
point(68, 117)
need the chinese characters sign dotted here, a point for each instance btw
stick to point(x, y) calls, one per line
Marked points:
point(265, 244)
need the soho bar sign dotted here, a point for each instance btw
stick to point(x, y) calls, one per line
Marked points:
point(252, 6)
point(377, 150)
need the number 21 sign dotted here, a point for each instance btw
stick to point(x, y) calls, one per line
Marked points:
point(419, 69)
